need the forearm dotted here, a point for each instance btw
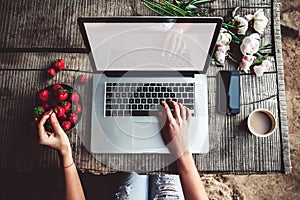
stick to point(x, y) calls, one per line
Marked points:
point(190, 180)
point(74, 190)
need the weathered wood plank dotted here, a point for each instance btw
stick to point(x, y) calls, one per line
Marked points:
point(53, 24)
point(281, 90)
point(42, 61)
point(33, 24)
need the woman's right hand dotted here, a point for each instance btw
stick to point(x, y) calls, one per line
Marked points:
point(56, 139)
point(175, 127)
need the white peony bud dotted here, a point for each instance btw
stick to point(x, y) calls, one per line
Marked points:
point(246, 62)
point(242, 24)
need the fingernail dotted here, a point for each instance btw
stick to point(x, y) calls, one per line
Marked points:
point(53, 115)
point(49, 112)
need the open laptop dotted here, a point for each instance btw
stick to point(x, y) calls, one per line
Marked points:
point(139, 62)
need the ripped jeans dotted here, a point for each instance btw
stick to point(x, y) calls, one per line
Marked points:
point(156, 187)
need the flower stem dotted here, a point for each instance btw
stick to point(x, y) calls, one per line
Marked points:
point(149, 4)
point(225, 25)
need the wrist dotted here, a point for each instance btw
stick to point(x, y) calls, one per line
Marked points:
point(185, 161)
point(66, 156)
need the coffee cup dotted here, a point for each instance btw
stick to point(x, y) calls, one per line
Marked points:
point(261, 123)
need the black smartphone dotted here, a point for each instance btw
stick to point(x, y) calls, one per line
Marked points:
point(228, 92)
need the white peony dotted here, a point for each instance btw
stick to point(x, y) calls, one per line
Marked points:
point(224, 37)
point(250, 44)
point(260, 20)
point(242, 24)
point(263, 67)
point(246, 62)
point(222, 45)
point(221, 53)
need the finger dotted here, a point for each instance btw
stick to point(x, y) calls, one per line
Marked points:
point(43, 120)
point(176, 111)
point(168, 111)
point(162, 119)
point(55, 124)
point(182, 111)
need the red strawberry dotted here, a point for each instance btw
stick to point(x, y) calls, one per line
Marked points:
point(38, 110)
point(44, 95)
point(74, 97)
point(60, 112)
point(82, 79)
point(66, 125)
point(73, 118)
point(66, 105)
point(76, 108)
point(56, 87)
point(51, 72)
point(62, 95)
point(59, 64)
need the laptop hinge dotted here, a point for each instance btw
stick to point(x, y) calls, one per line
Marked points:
point(150, 73)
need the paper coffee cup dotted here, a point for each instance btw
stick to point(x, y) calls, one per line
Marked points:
point(261, 123)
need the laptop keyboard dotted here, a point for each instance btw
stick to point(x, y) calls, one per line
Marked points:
point(144, 99)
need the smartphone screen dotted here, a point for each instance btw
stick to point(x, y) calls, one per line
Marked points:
point(228, 92)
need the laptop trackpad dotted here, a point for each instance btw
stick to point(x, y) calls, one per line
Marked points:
point(146, 135)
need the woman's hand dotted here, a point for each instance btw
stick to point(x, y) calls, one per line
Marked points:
point(56, 139)
point(175, 128)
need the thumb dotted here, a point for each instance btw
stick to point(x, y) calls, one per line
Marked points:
point(55, 124)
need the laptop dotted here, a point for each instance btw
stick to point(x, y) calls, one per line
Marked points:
point(139, 62)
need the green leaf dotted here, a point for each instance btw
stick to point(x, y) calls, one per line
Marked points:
point(191, 7)
point(157, 7)
point(201, 1)
point(150, 8)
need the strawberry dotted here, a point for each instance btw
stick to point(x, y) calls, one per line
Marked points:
point(74, 97)
point(38, 110)
point(73, 118)
point(82, 79)
point(66, 105)
point(44, 95)
point(58, 64)
point(62, 95)
point(51, 72)
point(76, 108)
point(56, 87)
point(66, 125)
point(60, 112)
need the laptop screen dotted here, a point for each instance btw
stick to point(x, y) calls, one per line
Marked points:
point(158, 46)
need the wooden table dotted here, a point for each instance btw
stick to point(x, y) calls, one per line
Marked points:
point(35, 32)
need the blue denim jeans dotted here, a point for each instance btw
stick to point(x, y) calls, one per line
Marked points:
point(159, 187)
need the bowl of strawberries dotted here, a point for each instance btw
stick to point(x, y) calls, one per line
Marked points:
point(65, 102)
